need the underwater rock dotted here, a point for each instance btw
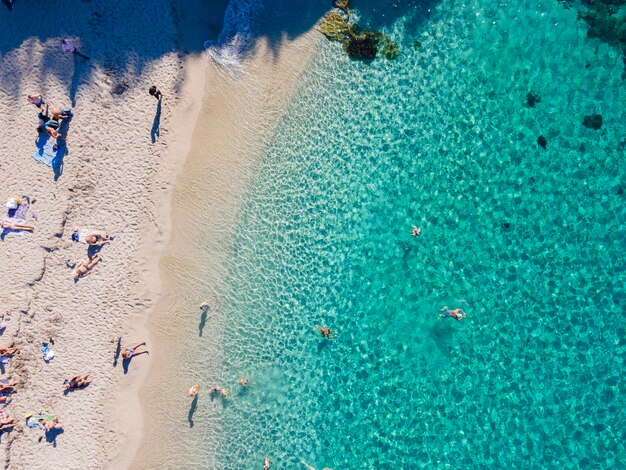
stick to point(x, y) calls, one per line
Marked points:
point(542, 142)
point(606, 21)
point(532, 99)
point(342, 5)
point(364, 46)
point(335, 27)
point(417, 45)
point(593, 121)
point(390, 48)
point(357, 43)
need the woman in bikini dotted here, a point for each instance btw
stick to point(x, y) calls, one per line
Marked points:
point(453, 313)
point(84, 267)
point(6, 225)
point(131, 351)
point(78, 381)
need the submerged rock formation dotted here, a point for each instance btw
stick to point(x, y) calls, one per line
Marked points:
point(606, 20)
point(542, 142)
point(342, 5)
point(532, 99)
point(593, 121)
point(358, 43)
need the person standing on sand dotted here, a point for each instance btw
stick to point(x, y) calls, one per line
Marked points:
point(68, 46)
point(154, 91)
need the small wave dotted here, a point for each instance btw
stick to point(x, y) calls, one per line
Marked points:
point(237, 36)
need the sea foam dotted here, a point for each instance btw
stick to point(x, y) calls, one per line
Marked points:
point(236, 38)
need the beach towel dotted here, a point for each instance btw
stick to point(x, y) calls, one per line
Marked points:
point(20, 213)
point(46, 154)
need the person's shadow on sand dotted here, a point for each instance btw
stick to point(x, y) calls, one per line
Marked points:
point(51, 436)
point(155, 132)
point(79, 63)
point(125, 364)
point(118, 350)
point(192, 410)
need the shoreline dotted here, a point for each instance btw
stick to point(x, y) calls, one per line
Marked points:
point(184, 117)
point(236, 121)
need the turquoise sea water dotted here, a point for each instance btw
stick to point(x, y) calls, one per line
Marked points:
point(529, 242)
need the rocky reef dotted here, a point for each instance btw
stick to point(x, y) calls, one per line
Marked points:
point(532, 99)
point(357, 43)
point(542, 142)
point(606, 20)
point(593, 121)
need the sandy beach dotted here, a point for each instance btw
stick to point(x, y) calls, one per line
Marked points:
point(124, 154)
point(124, 151)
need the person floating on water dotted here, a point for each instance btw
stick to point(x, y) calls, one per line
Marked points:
point(416, 231)
point(326, 332)
point(452, 313)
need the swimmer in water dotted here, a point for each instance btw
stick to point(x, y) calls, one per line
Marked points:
point(453, 313)
point(266, 464)
point(416, 231)
point(219, 391)
point(326, 332)
point(244, 381)
point(193, 391)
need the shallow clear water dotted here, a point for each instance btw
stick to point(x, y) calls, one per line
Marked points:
point(529, 242)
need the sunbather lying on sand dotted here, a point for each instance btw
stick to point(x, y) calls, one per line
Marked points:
point(37, 100)
point(7, 387)
point(9, 352)
point(84, 267)
point(6, 225)
point(7, 423)
point(131, 351)
point(49, 424)
point(97, 238)
point(78, 381)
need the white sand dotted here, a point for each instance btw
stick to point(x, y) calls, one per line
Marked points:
point(115, 179)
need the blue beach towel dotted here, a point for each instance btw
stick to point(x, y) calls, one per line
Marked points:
point(46, 153)
point(50, 155)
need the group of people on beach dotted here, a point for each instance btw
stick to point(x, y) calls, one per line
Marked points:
point(50, 119)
